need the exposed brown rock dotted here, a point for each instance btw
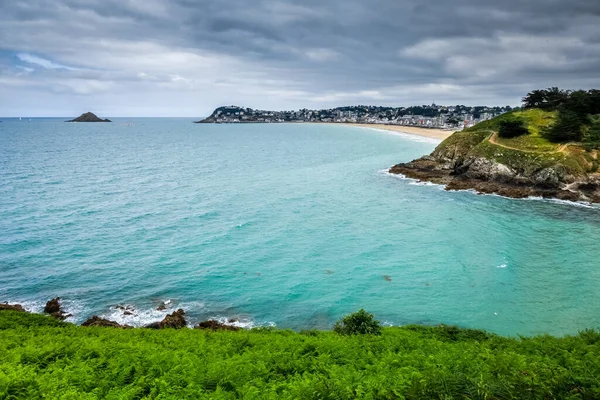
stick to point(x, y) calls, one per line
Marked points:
point(153, 325)
point(162, 306)
point(127, 309)
point(11, 307)
point(54, 308)
point(97, 321)
point(175, 320)
point(215, 326)
point(489, 178)
point(61, 315)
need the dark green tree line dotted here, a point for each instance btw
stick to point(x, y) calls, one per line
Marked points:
point(576, 111)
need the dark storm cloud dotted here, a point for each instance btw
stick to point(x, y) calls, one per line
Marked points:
point(289, 54)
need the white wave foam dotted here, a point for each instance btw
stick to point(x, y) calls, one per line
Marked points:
point(139, 317)
point(36, 307)
point(502, 266)
point(534, 198)
point(242, 322)
point(128, 314)
point(423, 183)
point(573, 203)
point(73, 307)
point(416, 182)
point(143, 317)
point(411, 181)
point(582, 204)
point(76, 308)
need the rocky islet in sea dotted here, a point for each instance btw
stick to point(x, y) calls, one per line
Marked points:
point(89, 117)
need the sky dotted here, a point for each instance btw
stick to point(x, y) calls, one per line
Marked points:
point(187, 57)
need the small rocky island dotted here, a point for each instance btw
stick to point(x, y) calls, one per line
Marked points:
point(550, 149)
point(89, 117)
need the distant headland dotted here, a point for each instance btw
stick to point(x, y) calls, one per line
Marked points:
point(425, 116)
point(89, 117)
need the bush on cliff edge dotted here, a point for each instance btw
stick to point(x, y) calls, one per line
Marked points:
point(358, 323)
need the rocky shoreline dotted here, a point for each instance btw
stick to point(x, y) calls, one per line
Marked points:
point(428, 169)
point(175, 320)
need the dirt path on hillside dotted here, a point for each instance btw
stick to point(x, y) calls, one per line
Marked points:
point(494, 136)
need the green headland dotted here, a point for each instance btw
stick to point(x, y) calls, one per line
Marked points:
point(548, 148)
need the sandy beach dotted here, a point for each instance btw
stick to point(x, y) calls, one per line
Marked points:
point(439, 134)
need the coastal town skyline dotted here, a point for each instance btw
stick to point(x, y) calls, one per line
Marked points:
point(426, 116)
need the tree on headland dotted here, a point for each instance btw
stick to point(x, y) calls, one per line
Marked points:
point(512, 128)
point(545, 99)
point(592, 136)
point(573, 111)
point(567, 128)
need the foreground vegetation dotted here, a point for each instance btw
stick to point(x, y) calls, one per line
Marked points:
point(43, 358)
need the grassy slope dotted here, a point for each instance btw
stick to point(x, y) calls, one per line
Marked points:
point(536, 120)
point(526, 153)
point(42, 358)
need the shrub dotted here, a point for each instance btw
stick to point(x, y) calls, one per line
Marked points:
point(568, 128)
point(358, 323)
point(512, 128)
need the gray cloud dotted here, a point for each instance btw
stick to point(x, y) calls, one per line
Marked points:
point(185, 57)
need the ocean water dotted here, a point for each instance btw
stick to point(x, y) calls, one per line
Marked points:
point(290, 225)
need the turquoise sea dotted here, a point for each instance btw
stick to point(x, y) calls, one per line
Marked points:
point(285, 224)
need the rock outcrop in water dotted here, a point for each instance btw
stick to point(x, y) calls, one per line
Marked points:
point(54, 308)
point(175, 320)
point(97, 321)
point(213, 325)
point(89, 117)
point(11, 307)
point(476, 159)
point(127, 310)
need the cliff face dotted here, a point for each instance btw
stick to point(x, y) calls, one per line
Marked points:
point(89, 117)
point(520, 167)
